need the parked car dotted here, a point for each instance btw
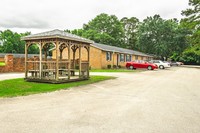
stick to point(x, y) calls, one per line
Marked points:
point(180, 63)
point(161, 64)
point(141, 64)
point(174, 63)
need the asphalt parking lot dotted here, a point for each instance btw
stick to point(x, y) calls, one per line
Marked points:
point(161, 101)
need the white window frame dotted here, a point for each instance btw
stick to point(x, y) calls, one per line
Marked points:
point(130, 57)
point(108, 56)
point(120, 57)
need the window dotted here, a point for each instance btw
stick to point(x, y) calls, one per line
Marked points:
point(108, 56)
point(136, 57)
point(141, 58)
point(156, 61)
point(121, 57)
point(128, 58)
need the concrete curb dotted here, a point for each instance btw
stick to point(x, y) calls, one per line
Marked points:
point(191, 66)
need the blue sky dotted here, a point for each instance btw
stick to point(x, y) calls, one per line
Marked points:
point(41, 15)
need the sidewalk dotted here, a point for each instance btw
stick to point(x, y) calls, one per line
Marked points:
point(4, 76)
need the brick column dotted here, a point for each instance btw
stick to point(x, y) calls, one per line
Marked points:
point(9, 62)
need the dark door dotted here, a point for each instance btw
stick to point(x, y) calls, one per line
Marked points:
point(117, 59)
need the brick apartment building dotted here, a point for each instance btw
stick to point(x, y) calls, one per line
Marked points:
point(102, 55)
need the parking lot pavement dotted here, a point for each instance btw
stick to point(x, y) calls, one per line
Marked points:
point(162, 101)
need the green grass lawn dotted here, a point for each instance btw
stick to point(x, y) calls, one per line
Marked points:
point(114, 70)
point(2, 64)
point(19, 87)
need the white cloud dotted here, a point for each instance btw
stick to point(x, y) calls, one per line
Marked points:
point(41, 15)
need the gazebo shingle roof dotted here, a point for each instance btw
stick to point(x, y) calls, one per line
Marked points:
point(57, 34)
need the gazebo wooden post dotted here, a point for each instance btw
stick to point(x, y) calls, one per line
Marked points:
point(88, 69)
point(26, 58)
point(45, 54)
point(74, 54)
point(40, 70)
point(80, 74)
point(57, 60)
point(61, 50)
point(69, 60)
point(45, 58)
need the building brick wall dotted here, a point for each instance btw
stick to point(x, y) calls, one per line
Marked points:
point(95, 58)
point(104, 62)
point(65, 54)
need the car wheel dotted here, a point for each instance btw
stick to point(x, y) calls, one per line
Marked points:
point(161, 67)
point(131, 67)
point(149, 68)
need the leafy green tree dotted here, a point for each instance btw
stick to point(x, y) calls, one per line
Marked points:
point(191, 55)
point(192, 22)
point(1, 43)
point(8, 41)
point(12, 42)
point(130, 26)
point(152, 36)
point(67, 30)
point(161, 37)
point(107, 27)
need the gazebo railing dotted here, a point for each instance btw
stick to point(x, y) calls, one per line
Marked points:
point(85, 69)
point(48, 69)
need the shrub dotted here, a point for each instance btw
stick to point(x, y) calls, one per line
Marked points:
point(114, 66)
point(109, 66)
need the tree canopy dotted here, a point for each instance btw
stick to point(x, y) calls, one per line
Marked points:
point(12, 42)
point(104, 28)
point(130, 26)
point(161, 37)
point(192, 22)
point(154, 35)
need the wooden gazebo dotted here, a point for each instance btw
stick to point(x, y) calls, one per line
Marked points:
point(45, 69)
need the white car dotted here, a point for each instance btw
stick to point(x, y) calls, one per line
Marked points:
point(161, 64)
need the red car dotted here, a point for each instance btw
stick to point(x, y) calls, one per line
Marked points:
point(141, 64)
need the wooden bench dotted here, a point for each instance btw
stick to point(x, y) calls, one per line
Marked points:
point(34, 73)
